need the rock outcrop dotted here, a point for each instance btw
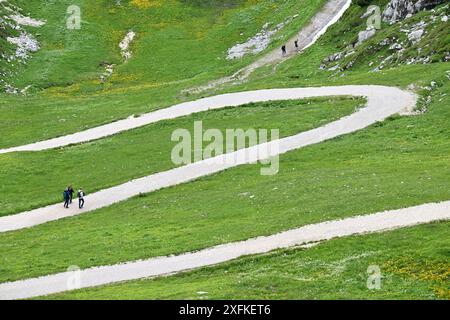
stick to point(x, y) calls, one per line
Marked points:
point(17, 42)
point(365, 35)
point(397, 10)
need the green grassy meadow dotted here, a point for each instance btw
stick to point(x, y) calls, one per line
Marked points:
point(413, 263)
point(351, 175)
point(179, 44)
point(33, 179)
point(400, 162)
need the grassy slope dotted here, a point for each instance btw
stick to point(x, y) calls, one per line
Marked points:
point(179, 44)
point(31, 180)
point(398, 163)
point(303, 70)
point(414, 263)
point(356, 174)
point(292, 116)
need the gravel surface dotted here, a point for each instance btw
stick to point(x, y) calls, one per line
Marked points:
point(160, 266)
point(382, 102)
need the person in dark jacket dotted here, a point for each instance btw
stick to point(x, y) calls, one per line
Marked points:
point(81, 195)
point(283, 50)
point(71, 192)
point(66, 196)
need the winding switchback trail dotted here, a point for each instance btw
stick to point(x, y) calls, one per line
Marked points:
point(330, 13)
point(160, 266)
point(382, 102)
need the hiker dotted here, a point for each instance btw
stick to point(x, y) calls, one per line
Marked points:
point(71, 192)
point(80, 198)
point(296, 44)
point(283, 50)
point(66, 197)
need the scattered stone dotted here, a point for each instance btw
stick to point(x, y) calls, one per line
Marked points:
point(257, 43)
point(397, 10)
point(333, 57)
point(125, 45)
point(349, 53)
point(385, 42)
point(415, 36)
point(25, 44)
point(11, 27)
point(365, 35)
point(396, 46)
point(27, 21)
point(336, 67)
point(109, 69)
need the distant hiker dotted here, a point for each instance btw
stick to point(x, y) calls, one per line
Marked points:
point(296, 44)
point(71, 192)
point(66, 197)
point(80, 198)
point(283, 50)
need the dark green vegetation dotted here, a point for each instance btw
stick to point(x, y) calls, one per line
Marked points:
point(413, 262)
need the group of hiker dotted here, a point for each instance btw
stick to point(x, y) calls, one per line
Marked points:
point(284, 50)
point(69, 192)
point(68, 196)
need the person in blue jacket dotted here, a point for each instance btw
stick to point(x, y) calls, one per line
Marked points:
point(66, 196)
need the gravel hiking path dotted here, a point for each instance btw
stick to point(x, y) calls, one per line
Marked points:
point(382, 102)
point(331, 12)
point(169, 265)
